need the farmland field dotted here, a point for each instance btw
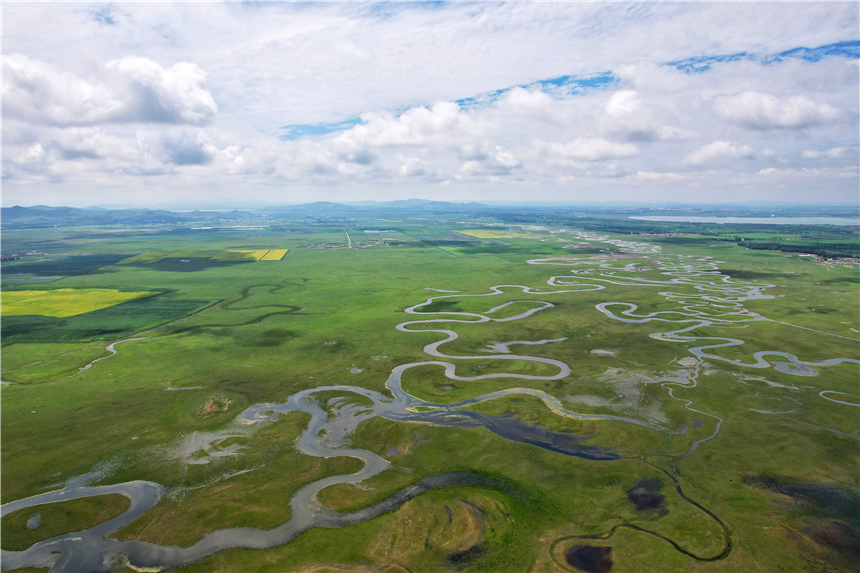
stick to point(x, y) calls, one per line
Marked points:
point(274, 255)
point(102, 324)
point(64, 302)
point(444, 399)
point(57, 266)
point(214, 255)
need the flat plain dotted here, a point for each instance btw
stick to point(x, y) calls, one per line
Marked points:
point(610, 401)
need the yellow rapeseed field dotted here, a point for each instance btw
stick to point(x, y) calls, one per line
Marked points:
point(275, 255)
point(256, 255)
point(63, 302)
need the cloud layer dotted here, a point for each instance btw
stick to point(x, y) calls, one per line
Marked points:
point(136, 103)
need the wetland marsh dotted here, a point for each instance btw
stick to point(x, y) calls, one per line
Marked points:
point(531, 394)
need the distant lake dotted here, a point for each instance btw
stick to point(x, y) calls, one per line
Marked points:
point(755, 220)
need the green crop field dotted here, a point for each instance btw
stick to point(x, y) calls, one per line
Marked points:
point(704, 422)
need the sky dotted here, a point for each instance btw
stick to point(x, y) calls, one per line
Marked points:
point(278, 103)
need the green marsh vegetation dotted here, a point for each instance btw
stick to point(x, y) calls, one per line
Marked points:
point(23, 528)
point(257, 332)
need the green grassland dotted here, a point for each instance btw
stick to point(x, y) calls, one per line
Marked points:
point(274, 471)
point(47, 361)
point(57, 518)
point(260, 331)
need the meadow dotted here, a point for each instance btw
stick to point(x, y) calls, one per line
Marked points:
point(53, 519)
point(313, 313)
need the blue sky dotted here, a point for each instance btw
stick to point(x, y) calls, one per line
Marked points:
point(286, 103)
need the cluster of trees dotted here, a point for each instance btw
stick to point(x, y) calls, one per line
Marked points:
point(821, 240)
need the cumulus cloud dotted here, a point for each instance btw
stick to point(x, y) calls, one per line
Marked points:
point(832, 153)
point(719, 150)
point(94, 143)
point(504, 158)
point(165, 95)
point(231, 159)
point(849, 172)
point(656, 177)
point(757, 110)
point(411, 166)
point(623, 103)
point(185, 148)
point(37, 92)
point(33, 153)
point(443, 123)
point(651, 76)
point(90, 150)
point(135, 89)
point(533, 104)
point(488, 161)
point(625, 113)
point(589, 148)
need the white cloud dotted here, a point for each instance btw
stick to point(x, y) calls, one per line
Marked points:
point(534, 104)
point(719, 150)
point(95, 143)
point(30, 155)
point(656, 177)
point(832, 153)
point(140, 90)
point(589, 148)
point(35, 91)
point(504, 158)
point(649, 76)
point(623, 103)
point(757, 110)
point(487, 161)
point(231, 159)
point(624, 113)
point(443, 123)
point(184, 148)
point(849, 172)
point(412, 167)
point(172, 95)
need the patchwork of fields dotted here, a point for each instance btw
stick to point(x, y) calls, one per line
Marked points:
point(220, 256)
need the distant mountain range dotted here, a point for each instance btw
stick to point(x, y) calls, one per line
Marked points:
point(45, 216)
point(402, 206)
